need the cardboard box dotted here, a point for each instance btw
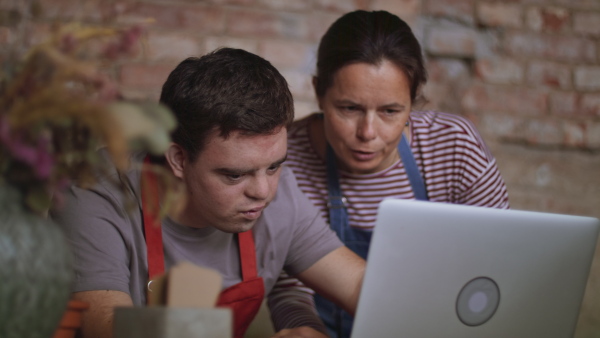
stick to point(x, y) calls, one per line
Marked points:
point(181, 304)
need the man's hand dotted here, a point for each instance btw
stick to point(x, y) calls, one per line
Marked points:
point(300, 332)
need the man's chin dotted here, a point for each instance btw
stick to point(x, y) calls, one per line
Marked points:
point(238, 227)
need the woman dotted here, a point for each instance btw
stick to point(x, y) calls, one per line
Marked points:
point(368, 144)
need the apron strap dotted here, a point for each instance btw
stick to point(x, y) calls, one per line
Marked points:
point(152, 226)
point(338, 217)
point(412, 170)
point(247, 255)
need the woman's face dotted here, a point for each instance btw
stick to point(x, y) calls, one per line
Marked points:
point(365, 111)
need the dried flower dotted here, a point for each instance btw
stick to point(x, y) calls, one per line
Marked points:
point(59, 108)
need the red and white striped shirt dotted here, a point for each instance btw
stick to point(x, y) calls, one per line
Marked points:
point(455, 163)
point(453, 159)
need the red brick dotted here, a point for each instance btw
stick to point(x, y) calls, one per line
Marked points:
point(263, 24)
point(334, 5)
point(286, 54)
point(500, 99)
point(447, 69)
point(587, 23)
point(171, 46)
point(499, 71)
point(593, 135)
point(318, 23)
point(502, 126)
point(407, 10)
point(206, 19)
point(454, 41)
point(11, 4)
point(213, 42)
point(436, 95)
point(544, 132)
point(499, 14)
point(590, 104)
point(548, 18)
point(233, 2)
point(145, 75)
point(300, 84)
point(151, 94)
point(564, 103)
point(74, 10)
point(461, 10)
point(587, 77)
point(575, 134)
point(285, 5)
point(38, 33)
point(6, 35)
point(551, 47)
point(579, 4)
point(549, 74)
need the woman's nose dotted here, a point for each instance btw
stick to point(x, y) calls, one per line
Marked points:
point(365, 130)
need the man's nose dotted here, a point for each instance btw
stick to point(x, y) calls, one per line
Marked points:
point(259, 188)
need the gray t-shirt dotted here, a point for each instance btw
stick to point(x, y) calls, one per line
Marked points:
point(109, 248)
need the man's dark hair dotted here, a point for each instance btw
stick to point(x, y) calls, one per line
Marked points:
point(369, 37)
point(226, 90)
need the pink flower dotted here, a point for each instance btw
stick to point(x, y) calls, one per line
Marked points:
point(38, 158)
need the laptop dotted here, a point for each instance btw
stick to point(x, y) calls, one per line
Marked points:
point(444, 270)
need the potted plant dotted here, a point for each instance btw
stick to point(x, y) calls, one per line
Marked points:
point(57, 107)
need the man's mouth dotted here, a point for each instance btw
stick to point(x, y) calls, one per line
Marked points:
point(253, 213)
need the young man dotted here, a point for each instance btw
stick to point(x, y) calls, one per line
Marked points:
point(244, 211)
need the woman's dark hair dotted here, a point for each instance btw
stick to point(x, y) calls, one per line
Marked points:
point(370, 37)
point(226, 90)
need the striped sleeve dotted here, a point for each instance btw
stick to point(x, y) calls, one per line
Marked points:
point(292, 305)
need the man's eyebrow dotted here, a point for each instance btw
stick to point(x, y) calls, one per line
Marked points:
point(231, 171)
point(346, 101)
point(280, 161)
point(243, 171)
point(394, 105)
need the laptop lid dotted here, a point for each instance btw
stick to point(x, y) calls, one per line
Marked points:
point(444, 270)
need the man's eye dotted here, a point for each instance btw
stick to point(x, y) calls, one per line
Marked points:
point(273, 169)
point(234, 178)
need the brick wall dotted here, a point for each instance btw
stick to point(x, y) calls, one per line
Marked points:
point(526, 72)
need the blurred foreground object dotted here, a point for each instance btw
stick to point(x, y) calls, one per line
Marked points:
point(181, 305)
point(57, 108)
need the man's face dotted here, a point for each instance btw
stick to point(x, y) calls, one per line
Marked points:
point(233, 180)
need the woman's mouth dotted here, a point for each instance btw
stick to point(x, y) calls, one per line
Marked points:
point(363, 155)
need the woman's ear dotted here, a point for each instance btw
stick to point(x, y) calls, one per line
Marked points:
point(177, 158)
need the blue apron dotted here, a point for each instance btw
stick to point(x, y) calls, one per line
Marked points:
point(338, 321)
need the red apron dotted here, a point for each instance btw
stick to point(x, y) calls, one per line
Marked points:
point(243, 298)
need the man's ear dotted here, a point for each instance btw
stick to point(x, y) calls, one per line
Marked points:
point(177, 158)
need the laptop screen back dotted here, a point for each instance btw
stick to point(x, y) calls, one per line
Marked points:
point(443, 270)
